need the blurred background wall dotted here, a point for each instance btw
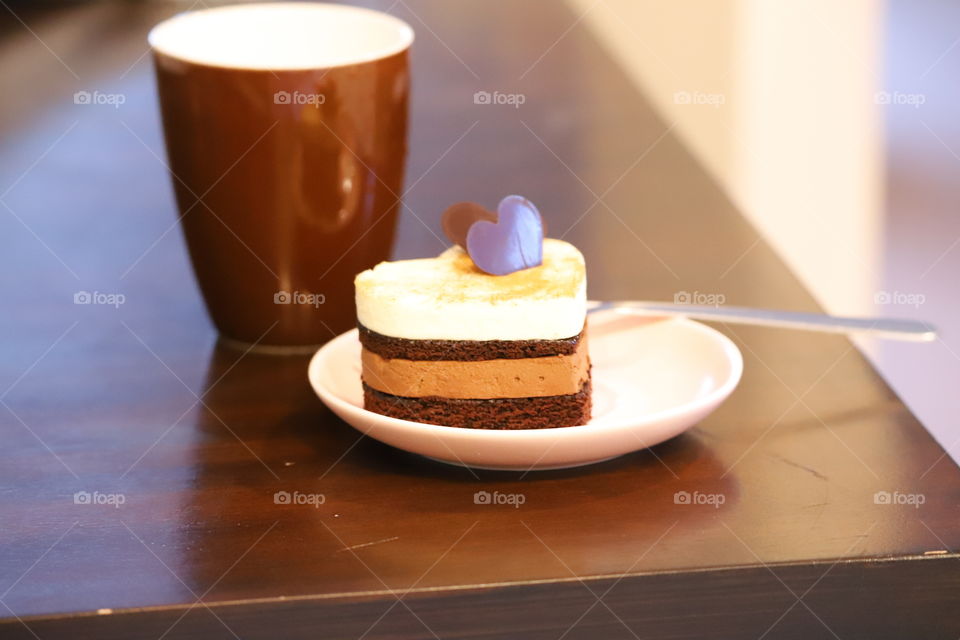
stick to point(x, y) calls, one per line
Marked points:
point(763, 92)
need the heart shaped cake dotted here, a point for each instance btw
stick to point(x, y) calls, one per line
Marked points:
point(445, 342)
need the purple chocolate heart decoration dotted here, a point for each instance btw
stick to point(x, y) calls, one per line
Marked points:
point(512, 243)
point(458, 218)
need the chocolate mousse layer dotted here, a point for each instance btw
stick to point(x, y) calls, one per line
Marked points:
point(481, 384)
point(465, 350)
point(479, 379)
point(503, 413)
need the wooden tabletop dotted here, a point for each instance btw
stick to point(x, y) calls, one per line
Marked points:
point(140, 460)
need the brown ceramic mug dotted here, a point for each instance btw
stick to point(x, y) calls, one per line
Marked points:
point(285, 127)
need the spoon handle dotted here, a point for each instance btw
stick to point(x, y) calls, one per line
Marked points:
point(894, 328)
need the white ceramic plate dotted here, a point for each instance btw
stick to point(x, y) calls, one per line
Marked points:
point(653, 378)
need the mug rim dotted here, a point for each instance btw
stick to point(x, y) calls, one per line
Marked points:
point(405, 36)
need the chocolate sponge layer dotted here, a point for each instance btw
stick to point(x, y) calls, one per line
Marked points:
point(502, 413)
point(465, 350)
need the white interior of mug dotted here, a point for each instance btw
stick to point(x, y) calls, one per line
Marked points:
point(281, 36)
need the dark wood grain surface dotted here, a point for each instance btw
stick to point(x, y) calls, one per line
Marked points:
point(137, 403)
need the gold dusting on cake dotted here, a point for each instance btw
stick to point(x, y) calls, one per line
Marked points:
point(557, 277)
point(452, 277)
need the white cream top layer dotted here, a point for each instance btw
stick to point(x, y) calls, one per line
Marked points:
point(281, 36)
point(448, 298)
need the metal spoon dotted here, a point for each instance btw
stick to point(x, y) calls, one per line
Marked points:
point(893, 328)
